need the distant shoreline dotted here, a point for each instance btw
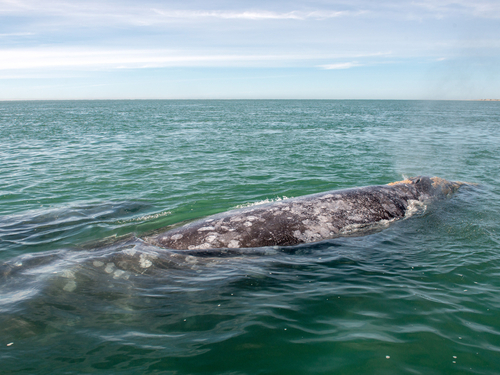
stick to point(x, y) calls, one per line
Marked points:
point(239, 99)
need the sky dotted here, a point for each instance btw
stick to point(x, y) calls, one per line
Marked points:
point(152, 49)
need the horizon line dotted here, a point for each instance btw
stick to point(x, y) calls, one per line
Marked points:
point(227, 99)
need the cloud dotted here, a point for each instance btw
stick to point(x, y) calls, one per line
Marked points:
point(95, 58)
point(18, 61)
point(36, 58)
point(8, 35)
point(151, 11)
point(251, 15)
point(447, 8)
point(98, 59)
point(345, 65)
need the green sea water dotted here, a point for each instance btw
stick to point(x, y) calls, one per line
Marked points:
point(81, 181)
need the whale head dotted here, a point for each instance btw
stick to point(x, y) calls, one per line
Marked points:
point(432, 186)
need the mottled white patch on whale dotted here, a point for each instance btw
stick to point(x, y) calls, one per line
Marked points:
point(118, 273)
point(355, 217)
point(203, 246)
point(70, 286)
point(233, 244)
point(211, 238)
point(204, 229)
point(324, 232)
point(110, 267)
point(144, 262)
point(68, 274)
point(130, 252)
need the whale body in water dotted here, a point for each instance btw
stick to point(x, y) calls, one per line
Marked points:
point(306, 219)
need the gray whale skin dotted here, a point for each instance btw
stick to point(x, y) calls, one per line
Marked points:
point(305, 219)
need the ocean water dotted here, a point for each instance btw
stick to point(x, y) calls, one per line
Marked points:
point(82, 181)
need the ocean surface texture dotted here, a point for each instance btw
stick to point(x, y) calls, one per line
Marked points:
point(82, 181)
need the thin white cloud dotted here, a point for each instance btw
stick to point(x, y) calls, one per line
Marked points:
point(105, 59)
point(345, 65)
point(36, 58)
point(8, 35)
point(49, 59)
point(149, 13)
point(148, 10)
point(251, 15)
point(81, 58)
point(447, 8)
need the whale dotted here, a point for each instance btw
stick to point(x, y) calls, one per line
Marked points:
point(307, 219)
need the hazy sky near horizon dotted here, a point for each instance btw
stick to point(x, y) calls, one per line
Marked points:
point(357, 49)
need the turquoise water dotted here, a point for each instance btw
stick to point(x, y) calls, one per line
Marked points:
point(81, 180)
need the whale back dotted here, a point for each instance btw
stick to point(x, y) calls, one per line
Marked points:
point(310, 218)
